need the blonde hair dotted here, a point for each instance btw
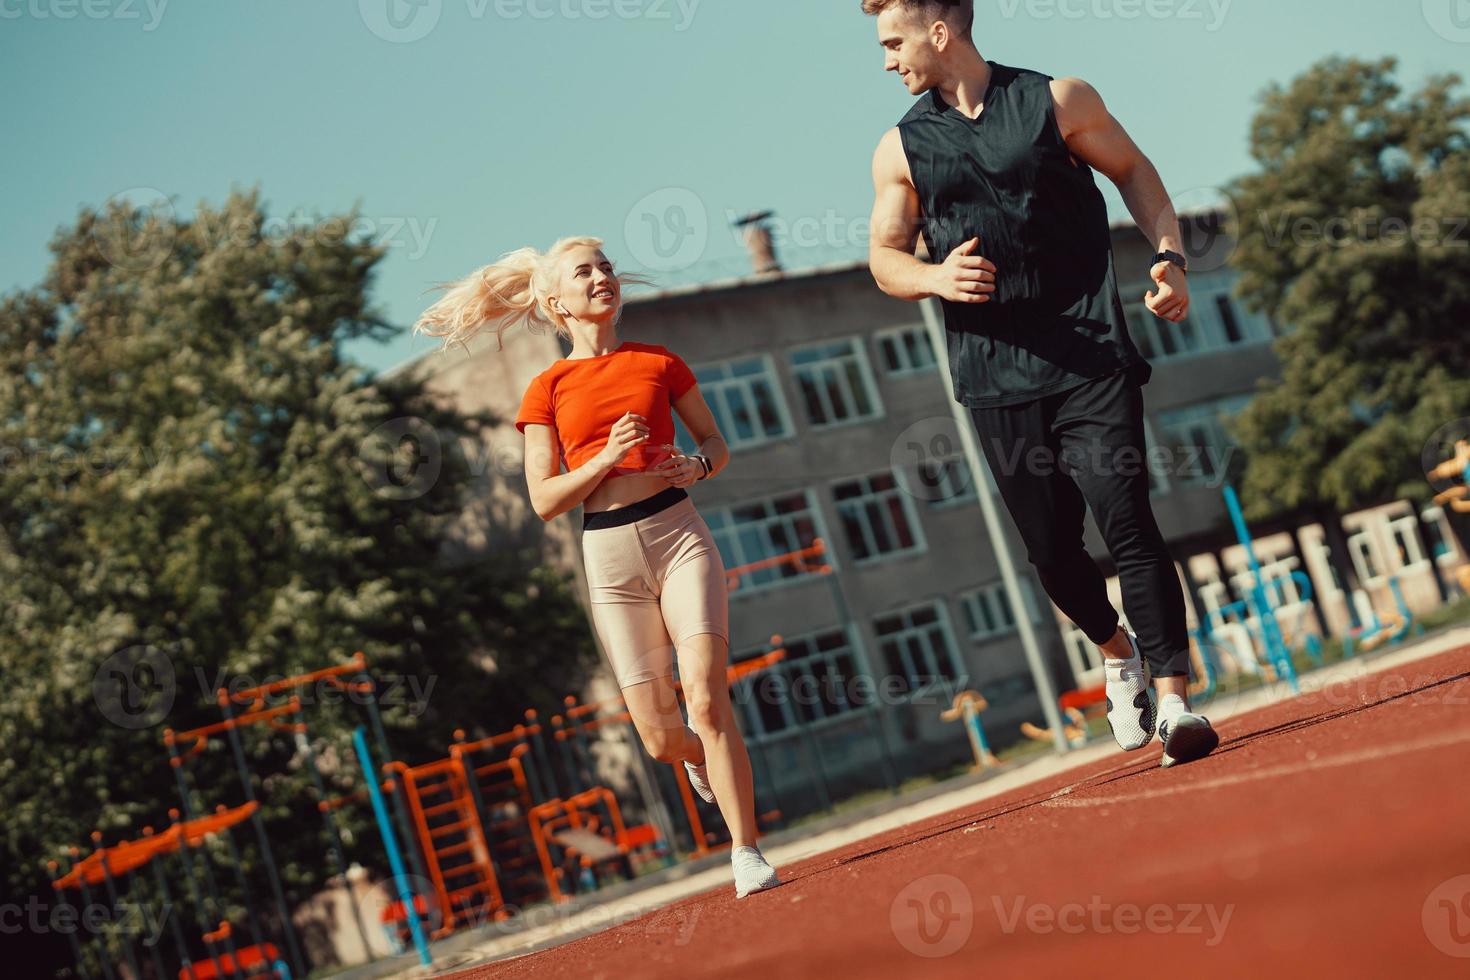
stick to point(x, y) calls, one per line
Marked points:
point(511, 290)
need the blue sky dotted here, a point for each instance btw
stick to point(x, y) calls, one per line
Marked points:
point(467, 128)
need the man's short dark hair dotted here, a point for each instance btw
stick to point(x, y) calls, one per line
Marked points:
point(958, 14)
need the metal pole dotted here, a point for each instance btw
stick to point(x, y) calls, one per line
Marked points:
point(969, 439)
point(405, 891)
point(1270, 629)
point(185, 960)
point(154, 953)
point(375, 717)
point(256, 933)
point(528, 764)
point(297, 965)
point(304, 744)
point(543, 762)
point(107, 879)
point(71, 935)
point(103, 957)
point(187, 861)
point(177, 762)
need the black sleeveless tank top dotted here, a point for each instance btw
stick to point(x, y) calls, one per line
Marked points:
point(1055, 320)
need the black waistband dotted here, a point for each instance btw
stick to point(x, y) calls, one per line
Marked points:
point(646, 507)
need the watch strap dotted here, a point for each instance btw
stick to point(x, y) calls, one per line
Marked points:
point(1169, 255)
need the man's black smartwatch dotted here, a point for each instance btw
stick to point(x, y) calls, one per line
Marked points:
point(1168, 255)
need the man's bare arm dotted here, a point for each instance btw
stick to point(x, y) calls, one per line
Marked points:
point(897, 215)
point(1096, 138)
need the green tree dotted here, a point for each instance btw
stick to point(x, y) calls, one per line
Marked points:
point(188, 468)
point(1354, 232)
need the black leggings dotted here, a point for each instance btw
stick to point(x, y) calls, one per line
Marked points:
point(1096, 430)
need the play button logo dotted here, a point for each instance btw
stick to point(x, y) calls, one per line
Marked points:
point(1450, 19)
point(400, 21)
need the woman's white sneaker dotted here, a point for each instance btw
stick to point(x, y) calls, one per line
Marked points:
point(699, 781)
point(752, 872)
point(1130, 711)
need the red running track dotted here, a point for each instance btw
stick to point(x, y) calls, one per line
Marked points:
point(1325, 837)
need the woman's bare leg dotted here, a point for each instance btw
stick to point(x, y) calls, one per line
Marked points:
point(702, 663)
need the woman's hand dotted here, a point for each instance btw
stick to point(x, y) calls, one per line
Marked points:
point(679, 470)
point(628, 433)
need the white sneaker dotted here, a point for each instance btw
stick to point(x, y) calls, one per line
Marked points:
point(699, 781)
point(752, 872)
point(1130, 710)
point(1186, 736)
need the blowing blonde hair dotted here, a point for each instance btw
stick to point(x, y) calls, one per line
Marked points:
point(511, 290)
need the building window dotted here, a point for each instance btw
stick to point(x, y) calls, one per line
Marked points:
point(814, 682)
point(905, 350)
point(1404, 532)
point(745, 399)
point(765, 529)
point(988, 611)
point(1439, 544)
point(1216, 321)
point(1200, 442)
point(918, 649)
point(1008, 689)
point(877, 517)
point(836, 384)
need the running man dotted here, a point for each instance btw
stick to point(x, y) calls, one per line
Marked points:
point(993, 166)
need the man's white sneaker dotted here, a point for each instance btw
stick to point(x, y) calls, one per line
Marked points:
point(1186, 736)
point(1130, 711)
point(752, 872)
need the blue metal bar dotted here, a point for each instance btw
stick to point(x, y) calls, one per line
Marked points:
point(390, 843)
point(1270, 629)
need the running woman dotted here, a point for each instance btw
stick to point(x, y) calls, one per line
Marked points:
point(993, 165)
point(656, 578)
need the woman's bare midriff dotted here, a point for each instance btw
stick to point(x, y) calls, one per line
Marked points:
point(620, 491)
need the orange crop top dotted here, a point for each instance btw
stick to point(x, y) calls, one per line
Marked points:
point(582, 399)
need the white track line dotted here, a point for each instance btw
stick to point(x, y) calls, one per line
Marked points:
point(1063, 797)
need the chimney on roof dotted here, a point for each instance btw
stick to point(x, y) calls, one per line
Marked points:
point(758, 241)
